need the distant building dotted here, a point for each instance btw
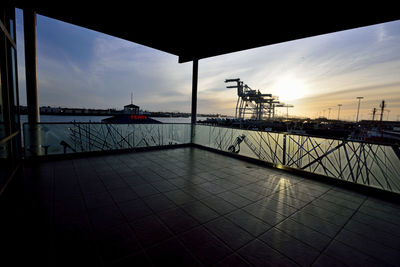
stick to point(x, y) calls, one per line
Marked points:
point(144, 112)
point(49, 110)
point(131, 109)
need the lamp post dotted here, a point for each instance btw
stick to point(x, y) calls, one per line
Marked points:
point(388, 111)
point(338, 114)
point(358, 109)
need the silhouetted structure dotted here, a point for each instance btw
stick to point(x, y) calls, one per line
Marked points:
point(254, 103)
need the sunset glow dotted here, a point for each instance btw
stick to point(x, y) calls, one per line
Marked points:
point(314, 74)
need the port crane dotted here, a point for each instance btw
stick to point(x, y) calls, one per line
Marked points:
point(254, 103)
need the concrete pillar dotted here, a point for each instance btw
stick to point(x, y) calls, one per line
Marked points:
point(31, 66)
point(33, 136)
point(194, 97)
point(194, 89)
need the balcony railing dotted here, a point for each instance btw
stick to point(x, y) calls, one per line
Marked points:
point(65, 138)
point(359, 162)
point(371, 164)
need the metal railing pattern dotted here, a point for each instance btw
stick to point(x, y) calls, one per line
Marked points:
point(63, 138)
point(372, 164)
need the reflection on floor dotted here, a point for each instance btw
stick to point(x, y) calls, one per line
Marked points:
point(189, 207)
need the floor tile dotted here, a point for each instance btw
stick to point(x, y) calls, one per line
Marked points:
point(145, 190)
point(218, 204)
point(392, 216)
point(349, 255)
point(340, 199)
point(373, 233)
point(137, 259)
point(379, 223)
point(332, 207)
point(291, 247)
point(205, 246)
point(123, 194)
point(150, 230)
point(233, 260)
point(106, 216)
point(212, 188)
point(97, 200)
point(327, 261)
point(70, 207)
point(234, 199)
point(195, 206)
point(195, 191)
point(117, 242)
point(260, 254)
point(265, 214)
point(115, 182)
point(289, 200)
point(178, 220)
point(248, 194)
point(171, 253)
point(316, 223)
point(164, 186)
point(251, 224)
point(229, 233)
point(326, 215)
point(159, 203)
point(369, 247)
point(305, 234)
point(225, 184)
point(277, 206)
point(180, 182)
point(259, 189)
point(179, 197)
point(200, 211)
point(134, 209)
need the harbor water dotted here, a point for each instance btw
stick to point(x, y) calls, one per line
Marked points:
point(61, 118)
point(64, 118)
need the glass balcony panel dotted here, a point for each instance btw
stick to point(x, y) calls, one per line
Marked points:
point(371, 164)
point(65, 138)
point(202, 135)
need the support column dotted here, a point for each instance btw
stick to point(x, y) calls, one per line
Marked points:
point(31, 66)
point(194, 98)
point(194, 90)
point(34, 144)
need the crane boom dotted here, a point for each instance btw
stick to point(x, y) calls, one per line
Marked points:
point(254, 102)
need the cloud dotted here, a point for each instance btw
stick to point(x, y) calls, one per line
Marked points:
point(373, 95)
point(387, 88)
point(79, 67)
point(116, 68)
point(217, 89)
point(333, 68)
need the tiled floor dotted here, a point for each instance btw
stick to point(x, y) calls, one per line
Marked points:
point(189, 207)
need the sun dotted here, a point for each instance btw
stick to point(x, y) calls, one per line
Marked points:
point(289, 88)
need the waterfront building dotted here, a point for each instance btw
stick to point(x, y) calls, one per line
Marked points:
point(50, 110)
point(131, 109)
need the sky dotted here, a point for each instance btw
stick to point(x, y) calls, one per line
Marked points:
point(79, 68)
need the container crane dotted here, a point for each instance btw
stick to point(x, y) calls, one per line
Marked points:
point(253, 102)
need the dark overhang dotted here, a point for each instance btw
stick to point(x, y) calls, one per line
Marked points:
point(207, 32)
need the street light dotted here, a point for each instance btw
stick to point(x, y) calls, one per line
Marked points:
point(388, 114)
point(338, 114)
point(358, 109)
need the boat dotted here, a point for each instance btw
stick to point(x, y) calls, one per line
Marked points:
point(130, 118)
point(131, 115)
